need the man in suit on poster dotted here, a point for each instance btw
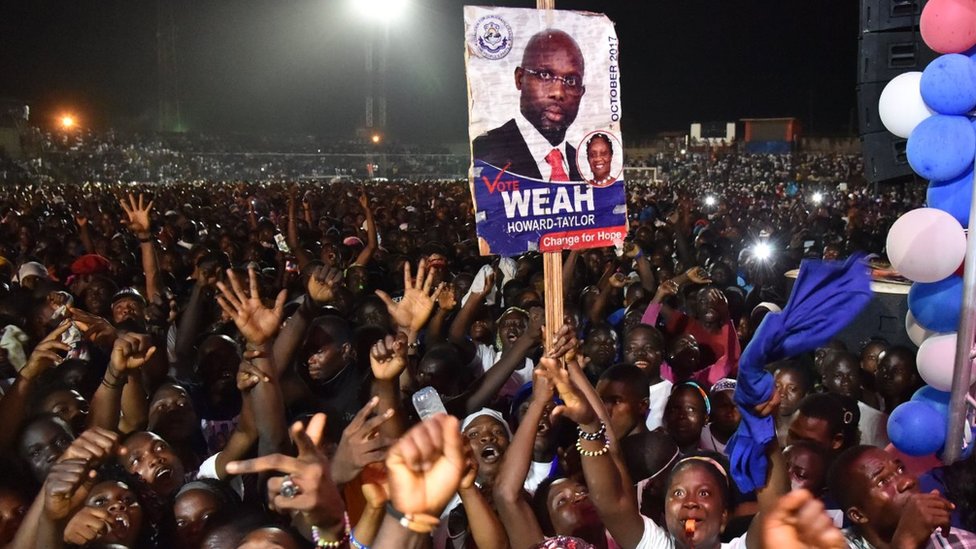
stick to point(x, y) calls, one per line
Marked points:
point(533, 144)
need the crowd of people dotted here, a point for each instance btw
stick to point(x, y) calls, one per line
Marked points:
point(254, 364)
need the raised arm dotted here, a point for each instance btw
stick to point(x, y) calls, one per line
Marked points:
point(129, 353)
point(458, 332)
point(419, 296)
point(191, 324)
point(569, 270)
point(446, 303)
point(84, 233)
point(388, 360)
point(523, 531)
point(137, 212)
point(372, 243)
point(486, 528)
point(320, 290)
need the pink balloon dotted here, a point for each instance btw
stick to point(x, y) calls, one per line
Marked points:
point(949, 26)
point(936, 359)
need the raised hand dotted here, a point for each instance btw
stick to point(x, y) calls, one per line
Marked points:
point(317, 497)
point(257, 323)
point(376, 485)
point(45, 354)
point(798, 521)
point(361, 443)
point(94, 446)
point(88, 524)
point(131, 351)
point(698, 275)
point(138, 215)
point(323, 283)
point(66, 486)
point(618, 280)
point(363, 199)
point(920, 516)
point(95, 328)
point(447, 301)
point(575, 405)
point(388, 357)
point(81, 219)
point(419, 296)
point(426, 466)
point(248, 374)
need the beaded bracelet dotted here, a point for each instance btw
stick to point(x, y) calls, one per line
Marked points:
point(591, 453)
point(323, 544)
point(593, 437)
point(355, 542)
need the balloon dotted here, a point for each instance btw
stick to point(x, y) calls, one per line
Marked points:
point(949, 26)
point(916, 332)
point(953, 196)
point(948, 84)
point(901, 106)
point(937, 305)
point(926, 245)
point(936, 358)
point(942, 147)
point(934, 398)
point(916, 428)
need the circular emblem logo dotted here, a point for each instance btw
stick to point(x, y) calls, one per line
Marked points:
point(493, 37)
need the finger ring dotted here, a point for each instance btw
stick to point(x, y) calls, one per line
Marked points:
point(288, 488)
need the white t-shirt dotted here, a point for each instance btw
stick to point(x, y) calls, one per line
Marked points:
point(208, 469)
point(656, 402)
point(489, 356)
point(873, 426)
point(656, 537)
point(538, 472)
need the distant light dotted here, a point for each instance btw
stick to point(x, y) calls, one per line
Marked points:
point(762, 251)
point(817, 197)
point(382, 11)
point(67, 121)
point(375, 139)
point(683, 151)
point(710, 200)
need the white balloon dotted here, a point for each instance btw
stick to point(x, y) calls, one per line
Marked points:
point(901, 107)
point(936, 359)
point(916, 332)
point(926, 245)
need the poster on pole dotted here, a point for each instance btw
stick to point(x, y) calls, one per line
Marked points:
point(544, 123)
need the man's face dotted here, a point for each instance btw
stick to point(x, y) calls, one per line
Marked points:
point(42, 444)
point(790, 390)
point(684, 416)
point(895, 375)
point(626, 409)
point(643, 350)
point(488, 440)
point(128, 308)
point(153, 460)
point(812, 429)
point(806, 468)
point(841, 375)
point(883, 486)
point(551, 106)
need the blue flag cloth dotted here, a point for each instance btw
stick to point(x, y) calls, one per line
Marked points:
point(826, 297)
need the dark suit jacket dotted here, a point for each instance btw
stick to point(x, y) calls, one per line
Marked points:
point(505, 144)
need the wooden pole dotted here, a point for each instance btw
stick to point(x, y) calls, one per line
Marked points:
point(552, 263)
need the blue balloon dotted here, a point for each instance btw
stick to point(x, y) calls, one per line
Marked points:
point(917, 429)
point(939, 400)
point(953, 196)
point(937, 305)
point(948, 84)
point(942, 147)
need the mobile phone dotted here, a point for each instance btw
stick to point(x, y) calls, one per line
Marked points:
point(427, 403)
point(291, 266)
point(282, 243)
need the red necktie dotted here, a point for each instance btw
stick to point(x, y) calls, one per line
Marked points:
point(555, 160)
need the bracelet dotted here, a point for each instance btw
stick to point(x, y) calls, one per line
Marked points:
point(145, 240)
point(593, 437)
point(117, 383)
point(419, 523)
point(319, 542)
point(590, 453)
point(355, 542)
point(415, 345)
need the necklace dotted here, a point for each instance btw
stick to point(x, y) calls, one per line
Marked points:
point(603, 181)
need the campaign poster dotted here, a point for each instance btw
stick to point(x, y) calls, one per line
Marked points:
point(544, 123)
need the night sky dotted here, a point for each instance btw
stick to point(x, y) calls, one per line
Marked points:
point(297, 66)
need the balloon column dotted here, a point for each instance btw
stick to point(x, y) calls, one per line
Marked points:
point(933, 109)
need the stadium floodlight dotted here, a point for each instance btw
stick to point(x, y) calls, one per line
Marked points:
point(376, 139)
point(710, 201)
point(817, 197)
point(762, 251)
point(381, 11)
point(68, 122)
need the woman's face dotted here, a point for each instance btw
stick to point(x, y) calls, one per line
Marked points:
point(684, 416)
point(599, 156)
point(695, 495)
point(13, 507)
point(790, 390)
point(125, 513)
point(191, 511)
point(570, 508)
